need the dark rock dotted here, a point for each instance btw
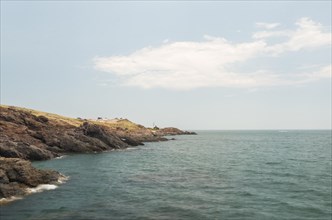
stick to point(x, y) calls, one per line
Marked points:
point(173, 131)
point(22, 150)
point(96, 131)
point(131, 141)
point(16, 175)
point(32, 123)
point(42, 119)
point(3, 177)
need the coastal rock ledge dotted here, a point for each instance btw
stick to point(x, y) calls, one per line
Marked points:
point(18, 178)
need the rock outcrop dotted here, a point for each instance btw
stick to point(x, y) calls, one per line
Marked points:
point(17, 176)
point(27, 136)
point(173, 131)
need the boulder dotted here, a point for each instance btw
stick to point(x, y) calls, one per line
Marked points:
point(17, 175)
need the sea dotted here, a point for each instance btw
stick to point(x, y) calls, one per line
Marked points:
point(274, 174)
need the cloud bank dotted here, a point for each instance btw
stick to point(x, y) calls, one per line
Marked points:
point(210, 63)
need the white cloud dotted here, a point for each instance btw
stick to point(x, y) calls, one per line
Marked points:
point(209, 63)
point(324, 72)
point(267, 25)
point(308, 35)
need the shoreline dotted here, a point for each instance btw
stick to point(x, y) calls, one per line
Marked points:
point(29, 135)
point(38, 189)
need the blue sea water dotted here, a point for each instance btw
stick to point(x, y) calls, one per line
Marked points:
point(213, 175)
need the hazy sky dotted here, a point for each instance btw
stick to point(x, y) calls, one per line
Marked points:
point(193, 65)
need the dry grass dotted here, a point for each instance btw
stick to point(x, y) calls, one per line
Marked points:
point(53, 117)
point(112, 124)
point(120, 123)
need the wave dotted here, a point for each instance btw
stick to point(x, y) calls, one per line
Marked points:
point(130, 148)
point(10, 199)
point(60, 157)
point(63, 179)
point(41, 188)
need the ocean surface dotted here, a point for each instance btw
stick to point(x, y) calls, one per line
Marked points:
point(213, 175)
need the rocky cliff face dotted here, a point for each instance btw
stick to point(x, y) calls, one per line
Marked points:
point(32, 135)
point(27, 136)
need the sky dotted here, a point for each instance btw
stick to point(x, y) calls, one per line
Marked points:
point(189, 64)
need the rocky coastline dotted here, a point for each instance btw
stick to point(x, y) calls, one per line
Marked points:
point(19, 178)
point(29, 135)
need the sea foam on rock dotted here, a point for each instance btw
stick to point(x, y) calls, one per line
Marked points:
point(18, 178)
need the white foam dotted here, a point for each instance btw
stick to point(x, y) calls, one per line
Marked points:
point(130, 148)
point(10, 199)
point(57, 158)
point(63, 179)
point(39, 188)
point(42, 187)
